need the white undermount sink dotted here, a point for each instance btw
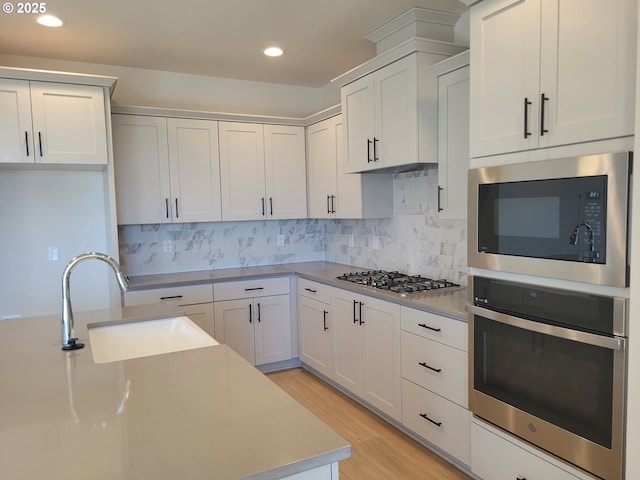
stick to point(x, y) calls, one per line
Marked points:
point(134, 339)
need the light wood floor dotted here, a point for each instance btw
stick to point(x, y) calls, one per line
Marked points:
point(379, 451)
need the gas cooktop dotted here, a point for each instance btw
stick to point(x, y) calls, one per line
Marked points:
point(397, 282)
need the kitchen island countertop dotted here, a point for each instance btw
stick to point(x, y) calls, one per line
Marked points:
point(450, 303)
point(198, 414)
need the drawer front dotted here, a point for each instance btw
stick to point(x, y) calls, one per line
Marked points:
point(250, 288)
point(435, 366)
point(310, 289)
point(495, 457)
point(436, 327)
point(180, 295)
point(437, 420)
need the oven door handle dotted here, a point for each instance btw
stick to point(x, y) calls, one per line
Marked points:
point(612, 343)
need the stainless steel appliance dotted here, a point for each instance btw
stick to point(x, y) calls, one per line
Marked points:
point(564, 218)
point(548, 365)
point(397, 282)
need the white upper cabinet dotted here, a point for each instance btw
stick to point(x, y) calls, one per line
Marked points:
point(333, 193)
point(167, 170)
point(453, 142)
point(390, 115)
point(52, 123)
point(549, 73)
point(285, 172)
point(262, 171)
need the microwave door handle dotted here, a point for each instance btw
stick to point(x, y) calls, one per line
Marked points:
point(612, 343)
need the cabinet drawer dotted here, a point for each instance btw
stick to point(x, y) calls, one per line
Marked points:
point(181, 295)
point(495, 457)
point(250, 288)
point(436, 327)
point(448, 425)
point(310, 289)
point(437, 367)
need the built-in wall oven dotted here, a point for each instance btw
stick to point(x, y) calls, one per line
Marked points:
point(564, 218)
point(548, 365)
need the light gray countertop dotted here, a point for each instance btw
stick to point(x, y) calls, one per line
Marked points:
point(448, 302)
point(197, 414)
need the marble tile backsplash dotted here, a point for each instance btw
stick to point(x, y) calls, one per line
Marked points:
point(415, 240)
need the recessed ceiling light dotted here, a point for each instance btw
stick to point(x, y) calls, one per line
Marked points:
point(49, 21)
point(273, 52)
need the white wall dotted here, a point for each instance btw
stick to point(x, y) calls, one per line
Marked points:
point(152, 88)
point(40, 209)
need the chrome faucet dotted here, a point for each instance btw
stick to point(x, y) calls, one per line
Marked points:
point(68, 336)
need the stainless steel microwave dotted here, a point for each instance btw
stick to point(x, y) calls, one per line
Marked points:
point(564, 218)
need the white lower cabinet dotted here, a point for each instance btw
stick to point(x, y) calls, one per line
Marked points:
point(315, 324)
point(437, 420)
point(366, 350)
point(253, 317)
point(196, 301)
point(496, 456)
point(434, 381)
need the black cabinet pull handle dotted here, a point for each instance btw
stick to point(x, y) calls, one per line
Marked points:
point(437, 424)
point(324, 319)
point(328, 207)
point(250, 313)
point(166, 206)
point(40, 142)
point(26, 141)
point(252, 289)
point(543, 99)
point(521, 478)
point(355, 305)
point(172, 297)
point(270, 205)
point(333, 204)
point(422, 364)
point(361, 304)
point(177, 215)
point(263, 206)
point(439, 204)
point(375, 150)
point(369, 142)
point(429, 328)
point(259, 315)
point(311, 290)
point(527, 133)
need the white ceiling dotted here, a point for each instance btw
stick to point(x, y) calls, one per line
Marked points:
point(223, 38)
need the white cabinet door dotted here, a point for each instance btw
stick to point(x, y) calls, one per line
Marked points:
point(322, 151)
point(314, 325)
point(272, 329)
point(194, 170)
point(453, 144)
point(396, 114)
point(141, 158)
point(242, 171)
point(382, 376)
point(69, 123)
point(234, 326)
point(202, 315)
point(366, 350)
point(347, 341)
point(285, 172)
point(587, 71)
point(359, 125)
point(505, 35)
point(16, 132)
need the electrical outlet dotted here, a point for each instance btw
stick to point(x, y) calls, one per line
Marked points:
point(376, 242)
point(352, 241)
point(168, 246)
point(53, 254)
point(280, 240)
